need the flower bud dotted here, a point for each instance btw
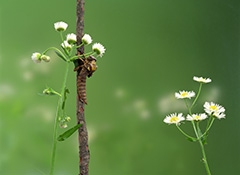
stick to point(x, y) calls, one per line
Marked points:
point(36, 57)
point(45, 58)
point(63, 125)
point(67, 119)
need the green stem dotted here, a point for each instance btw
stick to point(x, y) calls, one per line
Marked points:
point(90, 53)
point(62, 39)
point(80, 45)
point(57, 117)
point(203, 151)
point(189, 109)
point(64, 48)
point(185, 133)
point(57, 93)
point(190, 112)
point(208, 127)
point(199, 90)
point(54, 48)
point(197, 130)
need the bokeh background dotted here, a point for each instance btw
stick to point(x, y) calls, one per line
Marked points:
point(154, 48)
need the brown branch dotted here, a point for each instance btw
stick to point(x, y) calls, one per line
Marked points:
point(84, 154)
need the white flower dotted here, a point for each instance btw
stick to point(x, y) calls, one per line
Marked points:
point(86, 39)
point(60, 26)
point(71, 38)
point(196, 117)
point(218, 115)
point(99, 49)
point(212, 107)
point(184, 94)
point(45, 58)
point(202, 80)
point(174, 119)
point(36, 57)
point(66, 45)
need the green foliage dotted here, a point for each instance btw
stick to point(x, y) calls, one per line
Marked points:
point(61, 56)
point(65, 98)
point(68, 133)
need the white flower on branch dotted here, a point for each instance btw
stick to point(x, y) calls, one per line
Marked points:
point(212, 108)
point(196, 117)
point(202, 80)
point(71, 38)
point(86, 39)
point(98, 49)
point(184, 94)
point(36, 57)
point(66, 45)
point(174, 118)
point(60, 26)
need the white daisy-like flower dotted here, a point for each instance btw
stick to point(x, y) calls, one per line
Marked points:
point(184, 94)
point(174, 118)
point(71, 38)
point(66, 45)
point(212, 107)
point(99, 49)
point(202, 80)
point(218, 115)
point(86, 39)
point(196, 117)
point(60, 26)
point(36, 57)
point(45, 58)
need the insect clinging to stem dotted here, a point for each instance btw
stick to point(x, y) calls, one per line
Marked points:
point(86, 70)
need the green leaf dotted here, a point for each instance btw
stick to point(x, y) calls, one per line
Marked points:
point(68, 133)
point(191, 139)
point(204, 139)
point(61, 56)
point(65, 97)
point(65, 51)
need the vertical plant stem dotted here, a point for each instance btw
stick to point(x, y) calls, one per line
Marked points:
point(190, 112)
point(199, 90)
point(84, 154)
point(60, 100)
point(203, 151)
point(197, 131)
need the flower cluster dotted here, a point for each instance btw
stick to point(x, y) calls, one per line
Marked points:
point(71, 39)
point(212, 109)
point(37, 57)
point(69, 44)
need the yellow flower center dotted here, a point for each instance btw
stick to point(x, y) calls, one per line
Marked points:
point(174, 119)
point(197, 117)
point(213, 108)
point(184, 94)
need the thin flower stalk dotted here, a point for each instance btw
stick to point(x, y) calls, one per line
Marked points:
point(56, 119)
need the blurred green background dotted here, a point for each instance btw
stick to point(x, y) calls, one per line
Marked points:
point(154, 48)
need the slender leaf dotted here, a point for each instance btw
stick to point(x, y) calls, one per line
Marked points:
point(65, 97)
point(68, 133)
point(191, 139)
point(61, 56)
point(65, 51)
